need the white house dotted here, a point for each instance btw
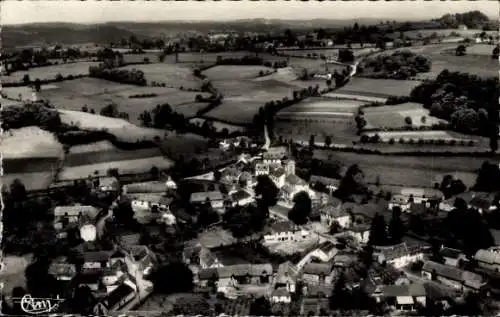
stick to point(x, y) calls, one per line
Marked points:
point(488, 259)
point(261, 169)
point(108, 184)
point(325, 252)
point(277, 175)
point(402, 297)
point(281, 295)
point(399, 201)
point(334, 212)
point(241, 198)
point(215, 197)
point(285, 231)
point(65, 216)
point(399, 255)
point(286, 276)
point(147, 202)
point(360, 232)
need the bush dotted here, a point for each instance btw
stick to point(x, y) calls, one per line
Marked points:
point(401, 141)
point(411, 141)
point(421, 141)
point(395, 100)
point(471, 143)
point(452, 142)
point(391, 141)
point(408, 121)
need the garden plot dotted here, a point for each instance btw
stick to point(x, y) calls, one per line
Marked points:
point(97, 93)
point(173, 75)
point(50, 72)
point(417, 135)
point(232, 72)
point(122, 129)
point(29, 142)
point(394, 116)
point(24, 92)
point(358, 86)
point(130, 166)
point(480, 49)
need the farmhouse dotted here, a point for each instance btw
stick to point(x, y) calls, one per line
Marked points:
point(453, 277)
point(402, 297)
point(241, 198)
point(284, 231)
point(235, 275)
point(281, 295)
point(488, 259)
point(451, 256)
point(480, 201)
point(318, 273)
point(95, 260)
point(331, 183)
point(65, 216)
point(401, 202)
point(108, 185)
point(286, 276)
point(149, 202)
point(399, 255)
point(62, 270)
point(277, 175)
point(360, 232)
point(325, 252)
point(261, 169)
point(333, 212)
point(215, 198)
point(115, 300)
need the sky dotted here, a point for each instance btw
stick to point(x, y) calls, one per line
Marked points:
point(18, 12)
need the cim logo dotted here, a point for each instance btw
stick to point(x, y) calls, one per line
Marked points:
point(37, 306)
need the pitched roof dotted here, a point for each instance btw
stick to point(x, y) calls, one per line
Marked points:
point(282, 226)
point(151, 198)
point(293, 179)
point(202, 196)
point(75, 210)
point(413, 290)
point(96, 256)
point(453, 273)
point(399, 250)
point(60, 268)
point(277, 172)
point(326, 246)
point(237, 270)
point(318, 268)
point(146, 187)
point(117, 295)
point(450, 253)
point(490, 256)
point(239, 195)
point(286, 270)
point(109, 181)
point(262, 167)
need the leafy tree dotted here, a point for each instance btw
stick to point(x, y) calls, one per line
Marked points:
point(238, 220)
point(83, 301)
point(335, 228)
point(396, 226)
point(145, 118)
point(37, 85)
point(267, 190)
point(495, 52)
point(301, 209)
point(487, 177)
point(408, 121)
point(345, 56)
point(378, 231)
point(328, 140)
point(110, 110)
point(311, 141)
point(179, 275)
point(123, 213)
point(352, 183)
point(339, 298)
point(26, 79)
point(260, 307)
point(460, 50)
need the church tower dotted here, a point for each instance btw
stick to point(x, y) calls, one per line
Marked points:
point(290, 167)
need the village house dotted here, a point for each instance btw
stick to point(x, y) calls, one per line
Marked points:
point(229, 277)
point(331, 183)
point(286, 277)
point(66, 216)
point(62, 269)
point(318, 273)
point(284, 231)
point(402, 297)
point(453, 277)
point(93, 280)
point(480, 201)
point(333, 212)
point(153, 187)
point(294, 185)
point(281, 295)
point(215, 198)
point(277, 175)
point(115, 300)
point(114, 276)
point(274, 155)
point(108, 184)
point(240, 198)
point(360, 232)
point(399, 255)
point(261, 169)
point(401, 202)
point(325, 252)
point(488, 259)
point(230, 175)
point(344, 259)
point(144, 258)
point(95, 261)
point(419, 195)
point(147, 202)
point(451, 256)
point(315, 301)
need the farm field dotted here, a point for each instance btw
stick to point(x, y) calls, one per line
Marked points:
point(97, 93)
point(242, 99)
point(29, 142)
point(122, 129)
point(235, 72)
point(139, 58)
point(480, 49)
point(130, 166)
point(341, 129)
point(417, 135)
point(404, 170)
point(104, 151)
point(394, 116)
point(378, 87)
point(173, 75)
point(325, 105)
point(333, 52)
point(218, 125)
point(447, 32)
point(32, 181)
point(13, 272)
point(50, 72)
